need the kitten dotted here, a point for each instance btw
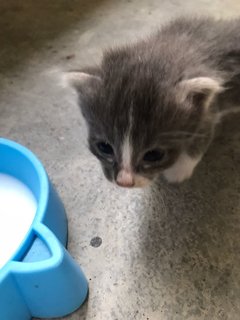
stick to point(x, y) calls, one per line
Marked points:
point(151, 107)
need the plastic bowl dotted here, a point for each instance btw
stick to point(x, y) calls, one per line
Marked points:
point(40, 279)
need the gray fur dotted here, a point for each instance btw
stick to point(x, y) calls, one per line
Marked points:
point(146, 77)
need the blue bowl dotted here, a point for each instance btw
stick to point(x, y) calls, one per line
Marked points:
point(41, 279)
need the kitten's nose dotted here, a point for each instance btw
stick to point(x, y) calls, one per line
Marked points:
point(125, 179)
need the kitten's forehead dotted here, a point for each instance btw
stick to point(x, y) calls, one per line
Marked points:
point(133, 102)
point(137, 112)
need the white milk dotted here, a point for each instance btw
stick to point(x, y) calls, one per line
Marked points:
point(17, 210)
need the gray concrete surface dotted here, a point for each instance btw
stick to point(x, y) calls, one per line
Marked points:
point(167, 253)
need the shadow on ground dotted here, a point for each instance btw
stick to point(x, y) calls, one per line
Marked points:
point(192, 248)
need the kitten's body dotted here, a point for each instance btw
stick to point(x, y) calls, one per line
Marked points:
point(155, 104)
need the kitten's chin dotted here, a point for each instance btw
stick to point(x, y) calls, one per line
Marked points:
point(135, 186)
point(141, 182)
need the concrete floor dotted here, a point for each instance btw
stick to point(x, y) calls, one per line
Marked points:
point(167, 253)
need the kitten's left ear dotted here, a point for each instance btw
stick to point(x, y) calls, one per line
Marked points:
point(199, 91)
point(82, 81)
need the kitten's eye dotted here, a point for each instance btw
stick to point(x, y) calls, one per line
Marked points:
point(154, 155)
point(105, 148)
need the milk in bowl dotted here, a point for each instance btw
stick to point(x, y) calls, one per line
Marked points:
point(17, 210)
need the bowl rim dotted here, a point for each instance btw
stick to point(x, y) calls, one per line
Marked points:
point(42, 200)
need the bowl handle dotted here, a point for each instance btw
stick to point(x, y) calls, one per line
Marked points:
point(53, 287)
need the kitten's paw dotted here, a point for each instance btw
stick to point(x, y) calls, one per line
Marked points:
point(182, 169)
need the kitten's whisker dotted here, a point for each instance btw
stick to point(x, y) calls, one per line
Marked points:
point(225, 113)
point(163, 195)
point(183, 133)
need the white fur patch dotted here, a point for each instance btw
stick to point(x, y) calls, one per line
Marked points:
point(126, 177)
point(182, 168)
point(126, 153)
point(127, 147)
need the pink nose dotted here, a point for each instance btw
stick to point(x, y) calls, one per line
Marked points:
point(125, 179)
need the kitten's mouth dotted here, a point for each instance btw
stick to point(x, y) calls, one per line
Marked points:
point(134, 187)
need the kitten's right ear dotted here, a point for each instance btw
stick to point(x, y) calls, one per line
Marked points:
point(81, 81)
point(199, 91)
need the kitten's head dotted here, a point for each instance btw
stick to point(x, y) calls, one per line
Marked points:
point(141, 120)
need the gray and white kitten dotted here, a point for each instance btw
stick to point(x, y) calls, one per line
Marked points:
point(151, 107)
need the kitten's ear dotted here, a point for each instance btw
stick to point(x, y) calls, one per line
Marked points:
point(82, 81)
point(199, 91)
